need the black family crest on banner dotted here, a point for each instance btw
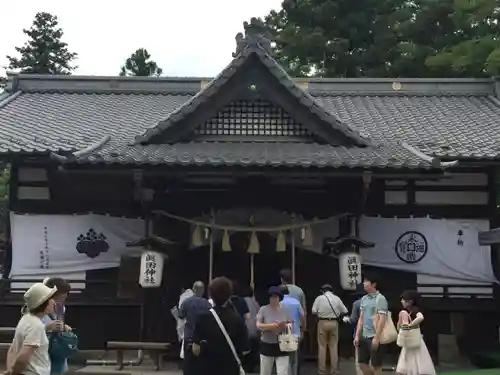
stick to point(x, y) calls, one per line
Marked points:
point(411, 247)
point(92, 244)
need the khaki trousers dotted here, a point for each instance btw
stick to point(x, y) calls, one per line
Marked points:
point(328, 338)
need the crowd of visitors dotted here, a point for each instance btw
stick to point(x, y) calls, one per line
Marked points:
point(230, 334)
point(231, 324)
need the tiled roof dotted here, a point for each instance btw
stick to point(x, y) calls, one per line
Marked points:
point(58, 115)
point(452, 126)
point(40, 122)
point(260, 154)
point(255, 49)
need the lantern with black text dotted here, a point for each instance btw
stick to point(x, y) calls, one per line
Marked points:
point(151, 269)
point(350, 270)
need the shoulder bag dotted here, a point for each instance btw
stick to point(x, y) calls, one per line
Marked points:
point(409, 337)
point(62, 344)
point(389, 333)
point(331, 306)
point(229, 341)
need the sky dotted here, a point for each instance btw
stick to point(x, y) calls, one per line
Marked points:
point(184, 37)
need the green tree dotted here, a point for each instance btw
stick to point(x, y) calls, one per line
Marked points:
point(384, 38)
point(44, 52)
point(475, 48)
point(140, 64)
point(333, 38)
point(4, 182)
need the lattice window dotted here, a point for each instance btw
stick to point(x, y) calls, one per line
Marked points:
point(258, 118)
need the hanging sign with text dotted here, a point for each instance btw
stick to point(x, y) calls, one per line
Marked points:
point(350, 270)
point(151, 269)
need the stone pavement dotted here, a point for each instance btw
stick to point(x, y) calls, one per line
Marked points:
point(308, 368)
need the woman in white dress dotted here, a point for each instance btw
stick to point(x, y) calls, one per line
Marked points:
point(413, 361)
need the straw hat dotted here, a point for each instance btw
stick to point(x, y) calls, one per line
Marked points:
point(37, 295)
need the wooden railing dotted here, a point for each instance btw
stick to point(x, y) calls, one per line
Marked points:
point(456, 291)
point(92, 291)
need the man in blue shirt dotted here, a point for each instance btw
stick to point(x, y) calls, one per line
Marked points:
point(190, 310)
point(372, 318)
point(296, 312)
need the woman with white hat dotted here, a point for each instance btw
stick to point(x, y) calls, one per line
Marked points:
point(29, 352)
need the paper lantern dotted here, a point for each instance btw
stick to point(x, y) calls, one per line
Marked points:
point(151, 271)
point(350, 270)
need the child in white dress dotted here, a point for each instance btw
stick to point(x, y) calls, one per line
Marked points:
point(414, 361)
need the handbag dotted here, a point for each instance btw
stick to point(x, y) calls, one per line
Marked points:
point(409, 337)
point(288, 342)
point(389, 333)
point(62, 345)
point(229, 341)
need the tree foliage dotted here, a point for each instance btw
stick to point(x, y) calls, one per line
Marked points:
point(43, 52)
point(475, 48)
point(385, 38)
point(140, 64)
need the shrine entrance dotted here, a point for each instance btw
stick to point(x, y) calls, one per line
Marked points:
point(252, 246)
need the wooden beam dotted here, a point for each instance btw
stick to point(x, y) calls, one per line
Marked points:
point(490, 237)
point(275, 172)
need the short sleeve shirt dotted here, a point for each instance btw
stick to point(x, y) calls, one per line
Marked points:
point(294, 310)
point(297, 293)
point(30, 331)
point(371, 304)
point(239, 305)
point(269, 315)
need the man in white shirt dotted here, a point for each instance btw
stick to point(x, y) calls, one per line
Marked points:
point(181, 323)
point(329, 309)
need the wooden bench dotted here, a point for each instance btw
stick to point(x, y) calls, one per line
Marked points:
point(154, 350)
point(7, 331)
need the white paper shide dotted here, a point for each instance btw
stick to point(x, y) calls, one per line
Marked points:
point(350, 270)
point(151, 269)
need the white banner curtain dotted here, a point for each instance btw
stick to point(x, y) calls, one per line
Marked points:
point(61, 244)
point(434, 247)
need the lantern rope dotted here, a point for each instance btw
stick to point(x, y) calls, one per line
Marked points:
point(237, 228)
